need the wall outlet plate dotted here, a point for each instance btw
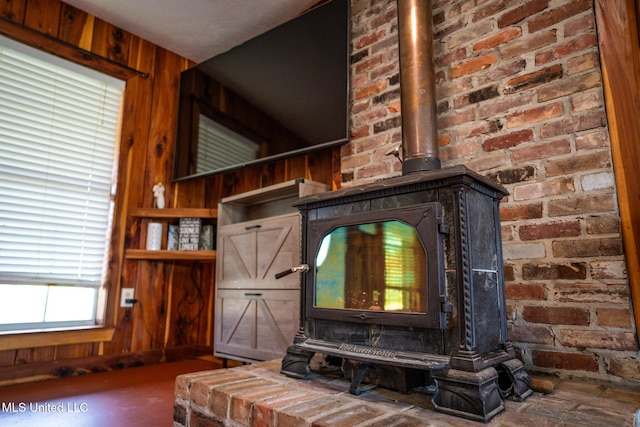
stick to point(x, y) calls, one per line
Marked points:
point(127, 293)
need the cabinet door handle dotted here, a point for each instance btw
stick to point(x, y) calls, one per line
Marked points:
point(250, 227)
point(252, 294)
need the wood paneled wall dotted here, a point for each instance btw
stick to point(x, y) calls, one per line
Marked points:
point(175, 311)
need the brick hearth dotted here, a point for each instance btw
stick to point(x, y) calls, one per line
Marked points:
point(258, 395)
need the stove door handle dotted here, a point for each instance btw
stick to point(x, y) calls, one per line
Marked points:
point(302, 268)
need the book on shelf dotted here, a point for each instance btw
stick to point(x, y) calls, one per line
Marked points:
point(189, 232)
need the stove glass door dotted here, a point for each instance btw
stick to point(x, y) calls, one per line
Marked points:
point(372, 266)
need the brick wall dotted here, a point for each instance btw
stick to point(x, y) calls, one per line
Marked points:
point(520, 100)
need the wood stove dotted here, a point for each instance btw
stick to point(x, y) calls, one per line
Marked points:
point(403, 278)
point(406, 279)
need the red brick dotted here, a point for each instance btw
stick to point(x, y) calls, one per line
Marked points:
point(556, 315)
point(566, 11)
point(450, 57)
point(471, 130)
point(520, 212)
point(575, 123)
point(547, 188)
point(570, 86)
point(579, 25)
point(184, 383)
point(549, 230)
point(370, 115)
point(589, 141)
point(470, 33)
point(355, 161)
point(535, 115)
point(541, 151)
point(587, 101)
point(242, 403)
point(494, 40)
point(534, 79)
point(295, 415)
point(370, 63)
point(579, 64)
point(592, 161)
point(531, 334)
point(589, 204)
point(201, 389)
point(569, 271)
point(220, 400)
point(591, 293)
point(399, 420)
point(622, 341)
point(509, 273)
point(476, 96)
point(473, 65)
point(374, 170)
point(458, 151)
point(509, 140)
point(457, 118)
point(531, 43)
point(197, 419)
point(455, 87)
point(582, 43)
point(568, 361)
point(625, 368)
point(614, 317)
point(505, 104)
point(587, 248)
point(371, 89)
point(369, 38)
point(264, 411)
point(350, 416)
point(497, 159)
point(513, 175)
point(529, 291)
point(391, 123)
point(502, 70)
point(523, 12)
point(489, 9)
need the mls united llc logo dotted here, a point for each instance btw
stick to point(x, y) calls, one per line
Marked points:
point(21, 407)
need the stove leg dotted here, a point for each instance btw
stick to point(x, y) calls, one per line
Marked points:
point(358, 376)
point(512, 371)
point(296, 363)
point(472, 395)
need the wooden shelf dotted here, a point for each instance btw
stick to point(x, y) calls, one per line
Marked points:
point(162, 255)
point(174, 213)
point(170, 214)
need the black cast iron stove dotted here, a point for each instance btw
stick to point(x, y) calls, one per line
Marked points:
point(403, 278)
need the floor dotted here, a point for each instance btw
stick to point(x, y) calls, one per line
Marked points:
point(141, 396)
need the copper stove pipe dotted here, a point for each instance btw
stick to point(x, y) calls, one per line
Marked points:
point(417, 86)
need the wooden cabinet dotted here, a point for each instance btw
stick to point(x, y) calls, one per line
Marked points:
point(257, 315)
point(166, 216)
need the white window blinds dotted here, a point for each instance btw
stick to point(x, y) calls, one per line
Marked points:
point(58, 132)
point(219, 147)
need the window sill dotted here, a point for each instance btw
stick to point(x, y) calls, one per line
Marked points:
point(46, 338)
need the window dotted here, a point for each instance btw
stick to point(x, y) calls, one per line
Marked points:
point(58, 139)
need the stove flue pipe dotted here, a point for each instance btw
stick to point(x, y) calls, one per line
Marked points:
point(417, 86)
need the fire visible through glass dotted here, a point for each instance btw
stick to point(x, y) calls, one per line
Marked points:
point(372, 266)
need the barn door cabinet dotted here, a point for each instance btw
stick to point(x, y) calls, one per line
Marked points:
point(256, 315)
